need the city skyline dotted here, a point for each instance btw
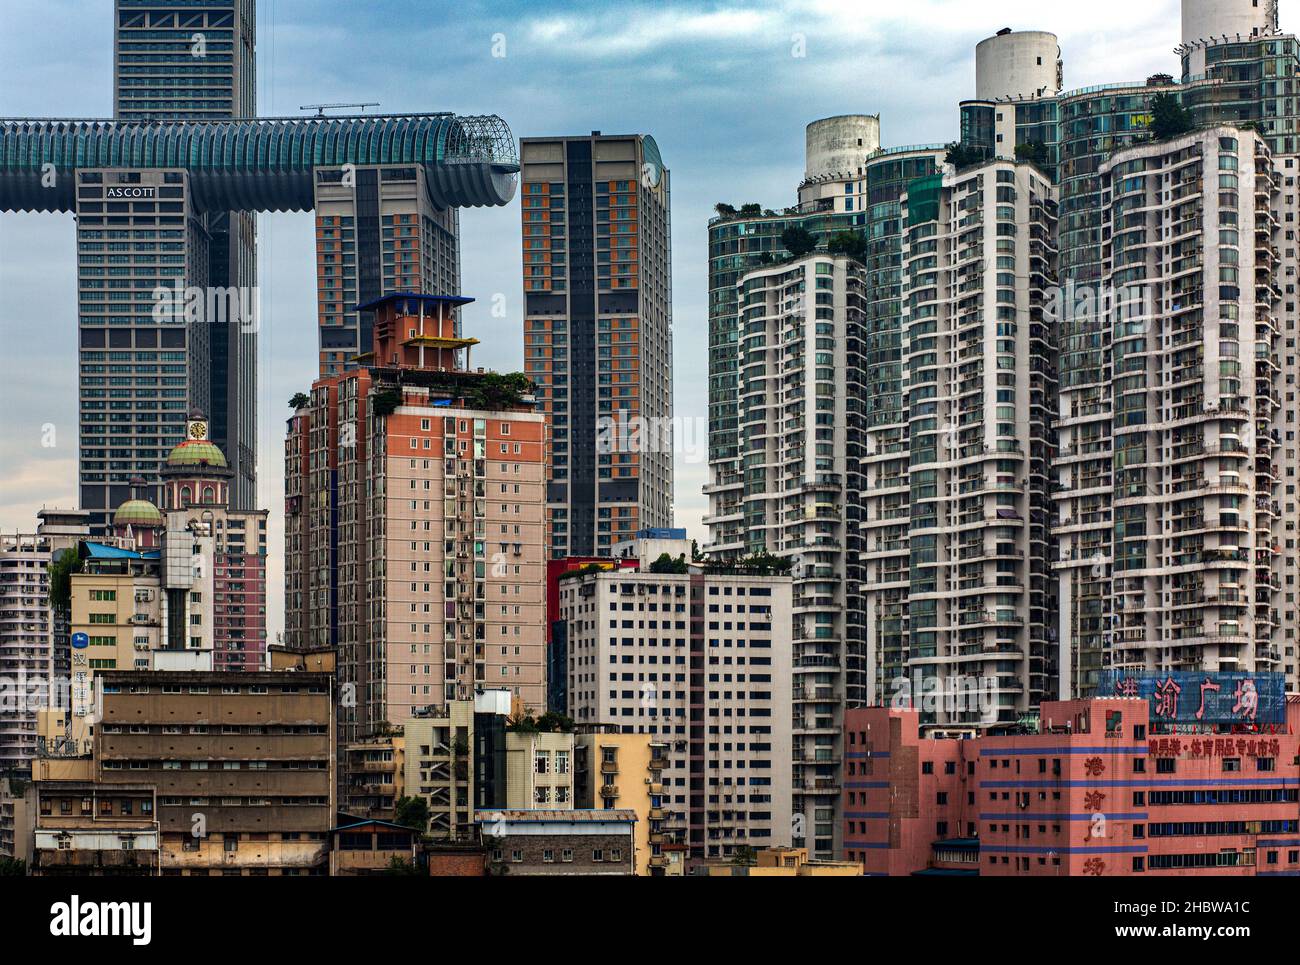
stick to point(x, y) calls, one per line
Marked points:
point(952, 530)
point(743, 154)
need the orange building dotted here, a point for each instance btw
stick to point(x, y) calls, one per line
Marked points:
point(598, 333)
point(414, 523)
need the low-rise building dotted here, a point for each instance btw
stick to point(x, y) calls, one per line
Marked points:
point(451, 754)
point(218, 773)
point(780, 863)
point(376, 774)
point(372, 848)
point(539, 769)
point(93, 828)
point(617, 770)
point(1104, 787)
point(559, 842)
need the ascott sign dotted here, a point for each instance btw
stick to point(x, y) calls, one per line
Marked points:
point(133, 192)
point(1199, 698)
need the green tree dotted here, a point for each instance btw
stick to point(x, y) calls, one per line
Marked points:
point(61, 570)
point(1168, 117)
point(798, 241)
point(299, 400)
point(725, 210)
point(851, 243)
point(963, 156)
point(1035, 152)
point(412, 812)
point(666, 564)
point(751, 210)
point(13, 868)
point(494, 390)
point(548, 723)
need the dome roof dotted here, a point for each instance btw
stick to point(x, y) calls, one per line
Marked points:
point(137, 512)
point(197, 452)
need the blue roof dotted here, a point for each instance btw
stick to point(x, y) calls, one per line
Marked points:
point(415, 297)
point(101, 552)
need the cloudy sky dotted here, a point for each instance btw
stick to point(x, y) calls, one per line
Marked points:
point(719, 86)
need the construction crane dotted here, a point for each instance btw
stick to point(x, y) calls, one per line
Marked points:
point(320, 109)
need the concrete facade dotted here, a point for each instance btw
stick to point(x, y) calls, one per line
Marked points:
point(702, 662)
point(1101, 791)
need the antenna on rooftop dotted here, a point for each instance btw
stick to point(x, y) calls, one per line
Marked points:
point(320, 109)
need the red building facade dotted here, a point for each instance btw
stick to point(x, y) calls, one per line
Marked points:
point(1095, 793)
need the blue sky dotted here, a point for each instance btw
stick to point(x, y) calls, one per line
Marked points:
point(717, 85)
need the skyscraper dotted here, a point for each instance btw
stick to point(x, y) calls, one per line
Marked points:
point(1237, 68)
point(414, 498)
point(182, 60)
point(801, 425)
point(1194, 244)
point(598, 333)
point(979, 264)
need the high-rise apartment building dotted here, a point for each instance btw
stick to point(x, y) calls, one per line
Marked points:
point(33, 631)
point(1237, 68)
point(800, 386)
point(699, 660)
point(979, 267)
point(850, 185)
point(1191, 258)
point(378, 231)
point(414, 498)
point(598, 333)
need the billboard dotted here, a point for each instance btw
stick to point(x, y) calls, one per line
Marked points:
point(1200, 698)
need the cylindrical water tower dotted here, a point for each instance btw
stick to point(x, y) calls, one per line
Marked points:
point(1210, 22)
point(1017, 63)
point(835, 147)
point(1216, 19)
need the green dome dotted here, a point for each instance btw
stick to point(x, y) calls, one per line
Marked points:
point(137, 512)
point(197, 452)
